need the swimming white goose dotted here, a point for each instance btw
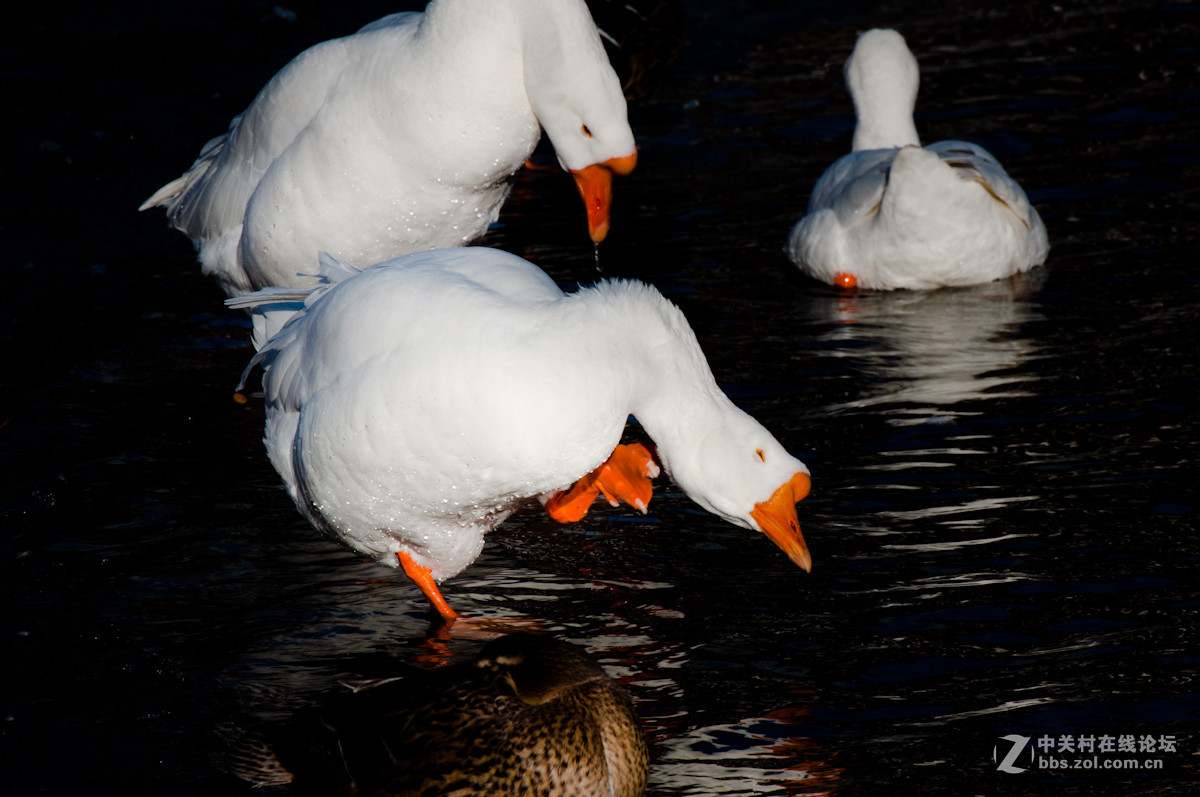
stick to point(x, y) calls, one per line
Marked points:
point(414, 405)
point(403, 137)
point(893, 215)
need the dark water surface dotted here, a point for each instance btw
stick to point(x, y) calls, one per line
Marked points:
point(1004, 512)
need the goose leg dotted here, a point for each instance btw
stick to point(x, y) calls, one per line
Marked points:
point(423, 579)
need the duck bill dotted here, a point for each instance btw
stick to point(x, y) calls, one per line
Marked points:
point(595, 187)
point(776, 517)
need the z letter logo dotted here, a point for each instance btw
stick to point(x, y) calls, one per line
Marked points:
point(1018, 744)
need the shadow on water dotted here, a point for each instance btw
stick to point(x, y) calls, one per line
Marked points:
point(1003, 519)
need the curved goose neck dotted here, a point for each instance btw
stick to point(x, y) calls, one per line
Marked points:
point(670, 387)
point(462, 74)
point(546, 38)
point(571, 86)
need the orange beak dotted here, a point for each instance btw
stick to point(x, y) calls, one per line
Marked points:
point(777, 518)
point(595, 186)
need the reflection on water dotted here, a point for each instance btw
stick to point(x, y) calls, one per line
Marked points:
point(378, 627)
point(929, 365)
point(927, 351)
point(772, 754)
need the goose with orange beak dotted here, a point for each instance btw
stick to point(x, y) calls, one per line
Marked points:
point(414, 405)
point(402, 137)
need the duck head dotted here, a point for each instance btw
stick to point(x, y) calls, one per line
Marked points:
point(538, 668)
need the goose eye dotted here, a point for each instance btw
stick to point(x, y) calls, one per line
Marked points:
point(761, 456)
point(585, 130)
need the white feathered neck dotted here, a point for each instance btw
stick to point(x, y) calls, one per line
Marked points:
point(724, 459)
point(882, 77)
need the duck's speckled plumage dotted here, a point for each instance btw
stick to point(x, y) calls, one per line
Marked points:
point(531, 715)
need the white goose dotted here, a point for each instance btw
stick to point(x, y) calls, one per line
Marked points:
point(893, 215)
point(403, 137)
point(414, 405)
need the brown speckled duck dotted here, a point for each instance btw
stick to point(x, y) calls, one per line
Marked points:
point(530, 716)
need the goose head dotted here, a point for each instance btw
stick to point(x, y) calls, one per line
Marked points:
point(576, 97)
point(882, 78)
point(738, 471)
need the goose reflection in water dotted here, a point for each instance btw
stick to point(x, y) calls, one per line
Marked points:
point(934, 363)
point(924, 352)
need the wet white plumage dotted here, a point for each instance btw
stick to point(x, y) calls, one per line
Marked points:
point(412, 406)
point(401, 137)
point(892, 214)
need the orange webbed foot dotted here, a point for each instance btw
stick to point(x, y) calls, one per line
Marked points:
point(624, 476)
